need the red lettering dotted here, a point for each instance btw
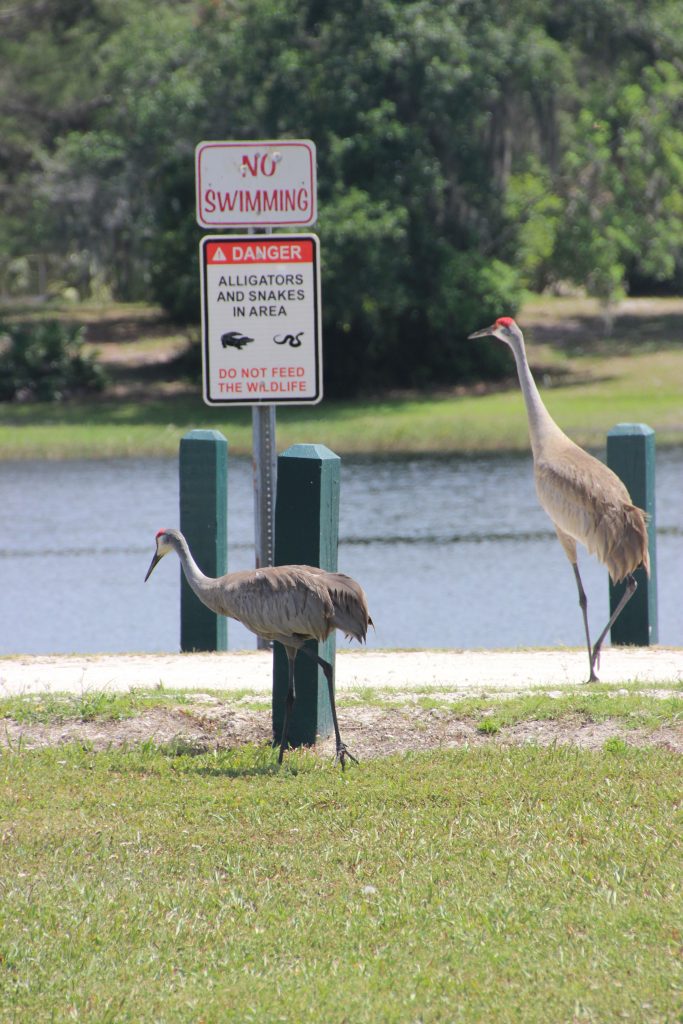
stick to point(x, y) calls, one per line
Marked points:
point(227, 201)
point(249, 165)
point(287, 371)
point(274, 160)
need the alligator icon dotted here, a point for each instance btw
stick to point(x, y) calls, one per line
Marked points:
point(234, 339)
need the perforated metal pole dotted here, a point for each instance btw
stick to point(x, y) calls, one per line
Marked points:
point(264, 462)
point(265, 480)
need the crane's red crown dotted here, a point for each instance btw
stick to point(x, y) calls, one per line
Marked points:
point(504, 321)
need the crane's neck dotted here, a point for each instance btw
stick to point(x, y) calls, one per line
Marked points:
point(542, 427)
point(193, 574)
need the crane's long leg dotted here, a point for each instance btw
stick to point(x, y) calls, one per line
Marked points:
point(583, 602)
point(289, 702)
point(631, 587)
point(342, 751)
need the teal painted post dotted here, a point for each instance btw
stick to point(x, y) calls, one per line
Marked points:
point(631, 455)
point(306, 533)
point(203, 468)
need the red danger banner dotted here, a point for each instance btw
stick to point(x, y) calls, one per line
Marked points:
point(251, 251)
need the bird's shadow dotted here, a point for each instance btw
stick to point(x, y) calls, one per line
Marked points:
point(240, 761)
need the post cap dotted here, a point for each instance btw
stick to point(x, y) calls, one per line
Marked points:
point(204, 435)
point(630, 429)
point(309, 451)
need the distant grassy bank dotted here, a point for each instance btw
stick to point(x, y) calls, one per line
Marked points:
point(469, 425)
point(590, 381)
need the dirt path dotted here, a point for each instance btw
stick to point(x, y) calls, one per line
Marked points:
point(208, 722)
point(461, 671)
point(368, 732)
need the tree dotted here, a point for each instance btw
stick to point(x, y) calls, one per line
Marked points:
point(84, 137)
point(387, 92)
point(623, 188)
point(461, 154)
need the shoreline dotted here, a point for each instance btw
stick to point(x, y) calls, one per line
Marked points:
point(462, 671)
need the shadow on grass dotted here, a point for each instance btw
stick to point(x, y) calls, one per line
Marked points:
point(187, 757)
point(589, 334)
point(180, 411)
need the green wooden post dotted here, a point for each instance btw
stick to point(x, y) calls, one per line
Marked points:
point(306, 533)
point(203, 467)
point(631, 455)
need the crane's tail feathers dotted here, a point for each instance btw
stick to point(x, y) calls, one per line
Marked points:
point(631, 550)
point(349, 608)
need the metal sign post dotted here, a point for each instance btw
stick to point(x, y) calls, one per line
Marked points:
point(264, 466)
point(265, 479)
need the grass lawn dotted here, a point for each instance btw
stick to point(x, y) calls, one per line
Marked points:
point(529, 884)
point(590, 381)
point(625, 703)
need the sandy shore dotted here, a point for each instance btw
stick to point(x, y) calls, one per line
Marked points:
point(466, 671)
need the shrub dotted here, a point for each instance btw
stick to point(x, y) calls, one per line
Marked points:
point(45, 362)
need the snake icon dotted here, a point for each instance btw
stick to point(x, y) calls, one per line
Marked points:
point(293, 340)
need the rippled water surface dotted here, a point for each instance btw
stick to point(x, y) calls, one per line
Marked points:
point(452, 552)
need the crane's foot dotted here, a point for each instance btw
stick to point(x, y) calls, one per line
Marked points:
point(595, 664)
point(342, 754)
point(283, 745)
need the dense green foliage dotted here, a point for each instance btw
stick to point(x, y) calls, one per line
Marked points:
point(462, 155)
point(45, 361)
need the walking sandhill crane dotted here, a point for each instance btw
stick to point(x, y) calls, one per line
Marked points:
point(289, 604)
point(584, 498)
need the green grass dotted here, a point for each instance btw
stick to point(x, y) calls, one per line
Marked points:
point(633, 710)
point(529, 885)
point(85, 707)
point(467, 425)
point(630, 706)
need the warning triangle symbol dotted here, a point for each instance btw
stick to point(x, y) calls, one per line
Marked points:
point(219, 256)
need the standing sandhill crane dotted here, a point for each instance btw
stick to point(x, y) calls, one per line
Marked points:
point(289, 604)
point(585, 500)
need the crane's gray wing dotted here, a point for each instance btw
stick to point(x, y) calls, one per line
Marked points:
point(281, 603)
point(587, 501)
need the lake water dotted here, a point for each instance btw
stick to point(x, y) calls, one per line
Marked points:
point(452, 552)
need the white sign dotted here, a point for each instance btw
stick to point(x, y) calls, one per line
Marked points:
point(261, 336)
point(255, 184)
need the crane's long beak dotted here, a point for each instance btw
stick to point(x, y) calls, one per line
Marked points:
point(157, 558)
point(487, 331)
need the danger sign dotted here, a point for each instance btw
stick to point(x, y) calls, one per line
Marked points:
point(261, 319)
point(255, 184)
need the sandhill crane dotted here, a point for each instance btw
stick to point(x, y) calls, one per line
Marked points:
point(289, 604)
point(584, 498)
